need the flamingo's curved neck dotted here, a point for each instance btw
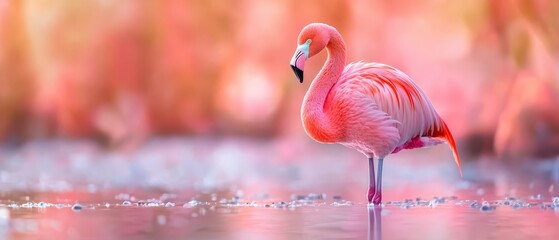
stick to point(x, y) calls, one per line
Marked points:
point(316, 122)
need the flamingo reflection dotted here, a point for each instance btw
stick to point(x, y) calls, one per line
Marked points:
point(375, 223)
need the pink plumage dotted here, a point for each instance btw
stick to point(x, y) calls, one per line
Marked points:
point(370, 107)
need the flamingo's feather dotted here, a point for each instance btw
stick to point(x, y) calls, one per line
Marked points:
point(389, 108)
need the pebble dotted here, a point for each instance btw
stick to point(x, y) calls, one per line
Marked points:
point(193, 203)
point(555, 201)
point(126, 203)
point(516, 205)
point(169, 204)
point(487, 208)
point(77, 207)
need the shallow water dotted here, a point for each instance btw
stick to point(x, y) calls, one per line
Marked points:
point(172, 218)
point(197, 190)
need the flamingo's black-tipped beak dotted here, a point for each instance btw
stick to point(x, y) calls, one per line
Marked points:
point(298, 60)
point(298, 72)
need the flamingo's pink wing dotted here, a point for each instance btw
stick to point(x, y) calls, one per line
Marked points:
point(395, 94)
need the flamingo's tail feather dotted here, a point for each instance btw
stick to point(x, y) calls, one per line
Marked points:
point(445, 134)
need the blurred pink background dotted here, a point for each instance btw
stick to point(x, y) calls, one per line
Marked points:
point(121, 72)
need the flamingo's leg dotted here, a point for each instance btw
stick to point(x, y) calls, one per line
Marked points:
point(371, 192)
point(377, 198)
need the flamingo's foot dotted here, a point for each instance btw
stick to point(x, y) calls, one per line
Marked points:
point(377, 198)
point(371, 194)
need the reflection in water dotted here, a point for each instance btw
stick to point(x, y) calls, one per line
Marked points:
point(375, 223)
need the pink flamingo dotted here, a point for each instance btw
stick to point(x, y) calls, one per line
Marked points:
point(370, 107)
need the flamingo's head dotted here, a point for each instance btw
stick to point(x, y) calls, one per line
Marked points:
point(312, 39)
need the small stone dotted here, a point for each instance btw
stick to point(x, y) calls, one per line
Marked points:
point(516, 205)
point(169, 204)
point(486, 208)
point(555, 201)
point(41, 205)
point(126, 203)
point(474, 205)
point(77, 207)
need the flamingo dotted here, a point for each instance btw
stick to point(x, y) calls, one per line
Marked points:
point(370, 107)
